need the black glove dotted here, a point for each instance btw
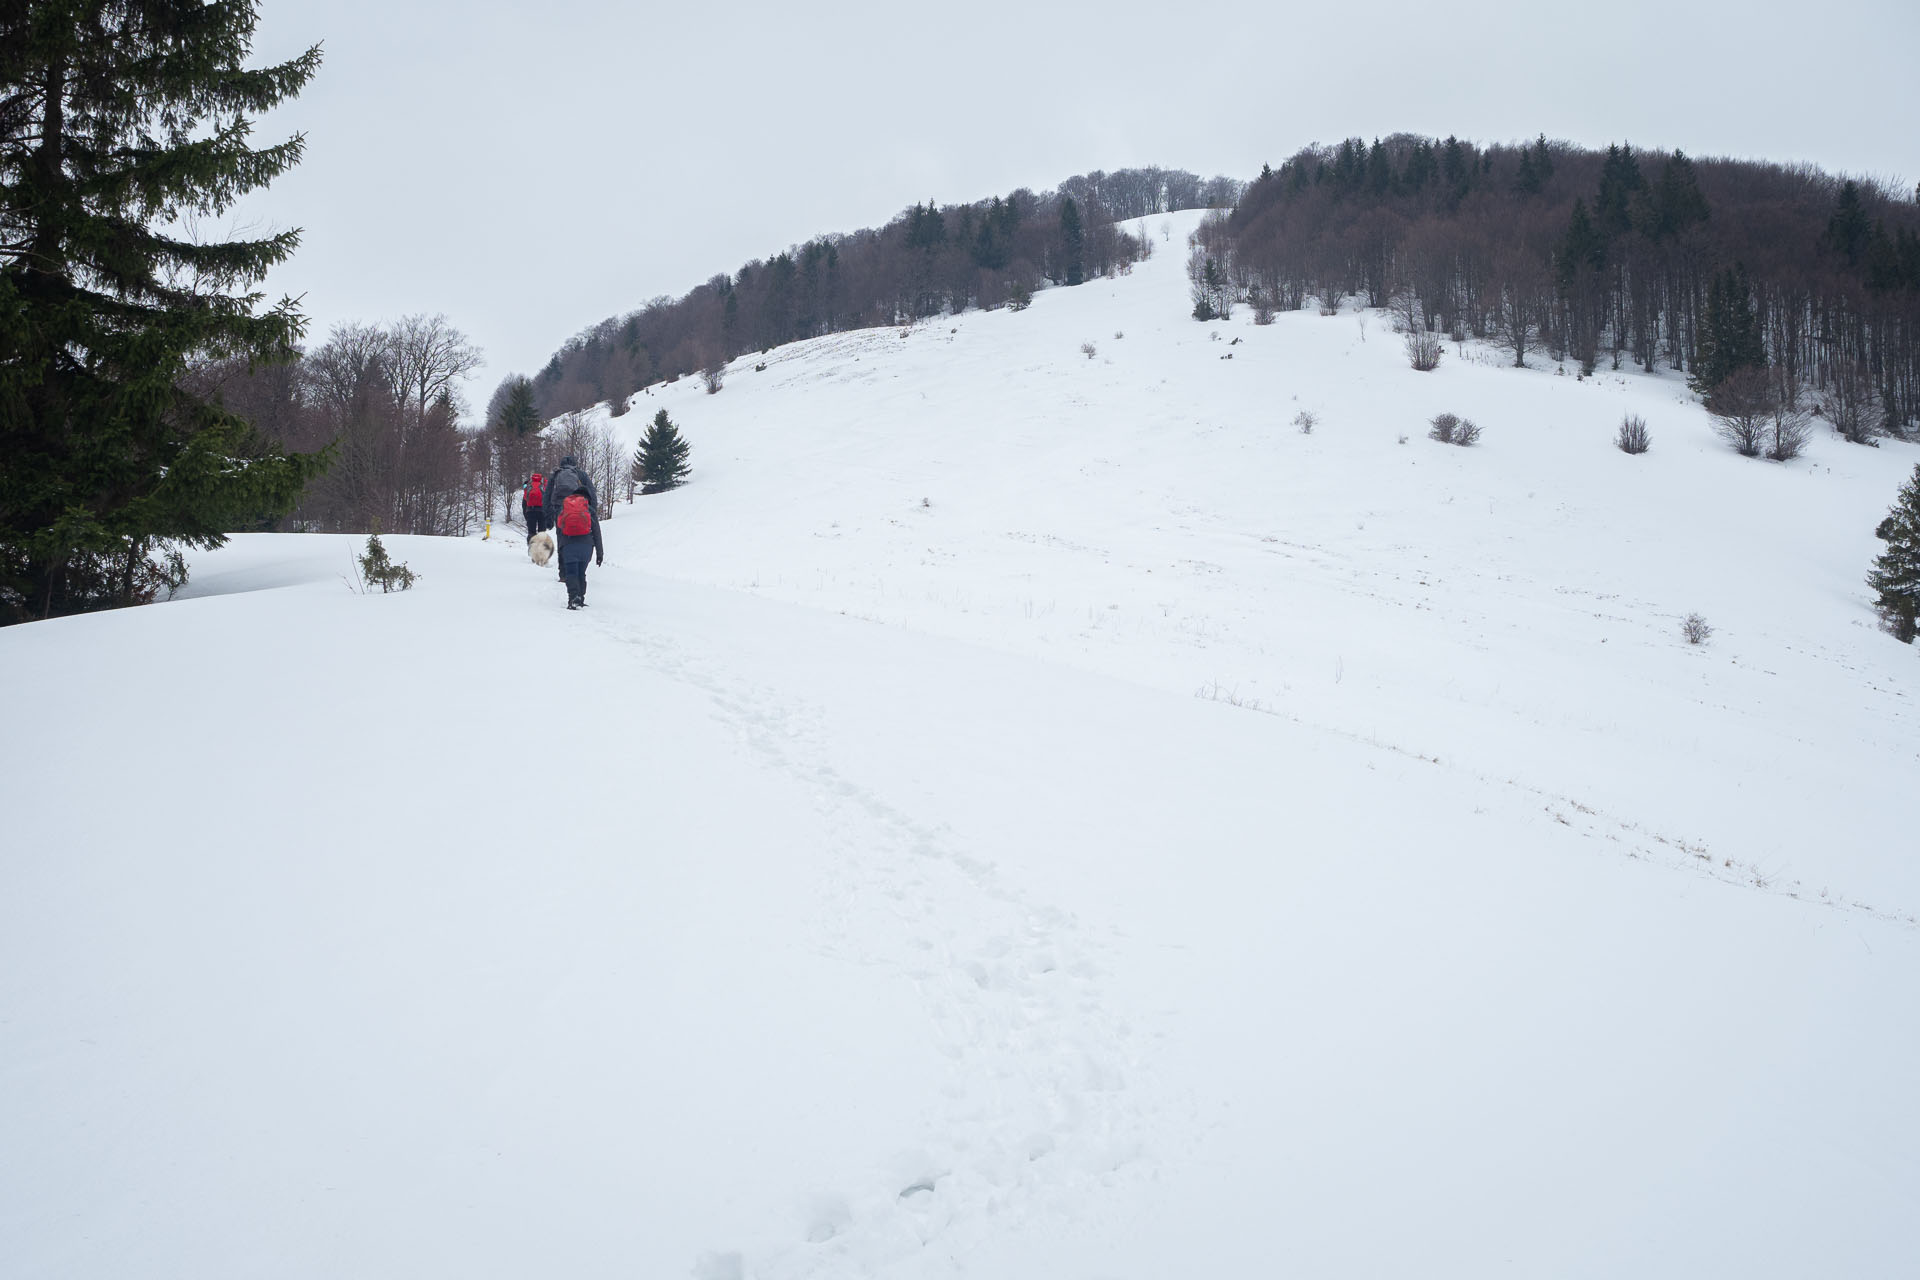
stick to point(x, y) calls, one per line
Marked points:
point(598, 560)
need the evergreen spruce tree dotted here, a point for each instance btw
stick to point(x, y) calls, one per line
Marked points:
point(1379, 171)
point(1896, 573)
point(1671, 204)
point(660, 463)
point(1527, 181)
point(1582, 247)
point(116, 121)
point(519, 416)
point(1072, 238)
point(1620, 181)
point(1730, 338)
point(1543, 159)
point(1848, 227)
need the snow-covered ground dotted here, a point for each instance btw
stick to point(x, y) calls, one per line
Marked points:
point(1014, 814)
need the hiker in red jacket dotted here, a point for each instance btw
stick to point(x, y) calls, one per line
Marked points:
point(533, 505)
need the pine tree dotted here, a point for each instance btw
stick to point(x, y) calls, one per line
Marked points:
point(1582, 247)
point(1896, 573)
point(519, 416)
point(1379, 170)
point(1620, 180)
point(1730, 338)
point(1527, 180)
point(1847, 228)
point(120, 120)
point(660, 463)
point(1072, 239)
point(1543, 159)
point(1673, 202)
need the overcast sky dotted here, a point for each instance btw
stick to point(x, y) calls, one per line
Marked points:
point(531, 168)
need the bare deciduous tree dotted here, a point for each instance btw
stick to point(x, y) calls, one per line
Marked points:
point(426, 357)
point(1742, 407)
point(1851, 403)
point(1789, 427)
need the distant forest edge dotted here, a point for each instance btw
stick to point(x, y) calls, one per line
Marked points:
point(1710, 266)
point(930, 260)
point(1707, 265)
point(1779, 283)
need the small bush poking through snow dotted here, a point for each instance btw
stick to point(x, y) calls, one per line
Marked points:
point(1695, 629)
point(377, 569)
point(1633, 436)
point(1118, 334)
point(1449, 428)
point(1423, 350)
point(1087, 350)
point(1790, 427)
point(1306, 420)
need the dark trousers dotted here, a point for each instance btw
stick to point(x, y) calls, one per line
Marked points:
point(536, 520)
point(573, 567)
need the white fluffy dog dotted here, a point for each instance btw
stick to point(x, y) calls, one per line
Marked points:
point(540, 546)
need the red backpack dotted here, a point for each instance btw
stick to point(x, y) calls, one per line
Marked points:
point(576, 519)
point(532, 497)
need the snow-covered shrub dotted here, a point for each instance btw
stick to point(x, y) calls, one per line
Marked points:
point(1852, 404)
point(377, 569)
point(1088, 350)
point(1450, 428)
point(1633, 436)
point(1423, 350)
point(1306, 420)
point(1740, 406)
point(1789, 428)
point(1695, 629)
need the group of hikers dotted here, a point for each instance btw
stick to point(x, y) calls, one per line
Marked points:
point(565, 503)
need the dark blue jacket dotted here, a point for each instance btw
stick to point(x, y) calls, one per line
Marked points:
point(551, 499)
point(581, 539)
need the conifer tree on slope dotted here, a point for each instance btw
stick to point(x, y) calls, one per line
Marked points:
point(1896, 572)
point(116, 120)
point(1072, 240)
point(1730, 338)
point(519, 416)
point(660, 463)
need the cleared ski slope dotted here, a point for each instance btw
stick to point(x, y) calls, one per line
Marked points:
point(859, 887)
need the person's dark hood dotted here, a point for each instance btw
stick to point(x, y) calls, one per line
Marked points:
point(569, 461)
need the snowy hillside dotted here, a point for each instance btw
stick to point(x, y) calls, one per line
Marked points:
point(1014, 814)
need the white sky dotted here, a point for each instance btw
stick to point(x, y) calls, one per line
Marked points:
point(531, 169)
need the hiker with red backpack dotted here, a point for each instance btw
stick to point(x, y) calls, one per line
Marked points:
point(577, 527)
point(533, 505)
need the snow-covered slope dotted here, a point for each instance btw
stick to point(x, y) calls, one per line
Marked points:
point(859, 887)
